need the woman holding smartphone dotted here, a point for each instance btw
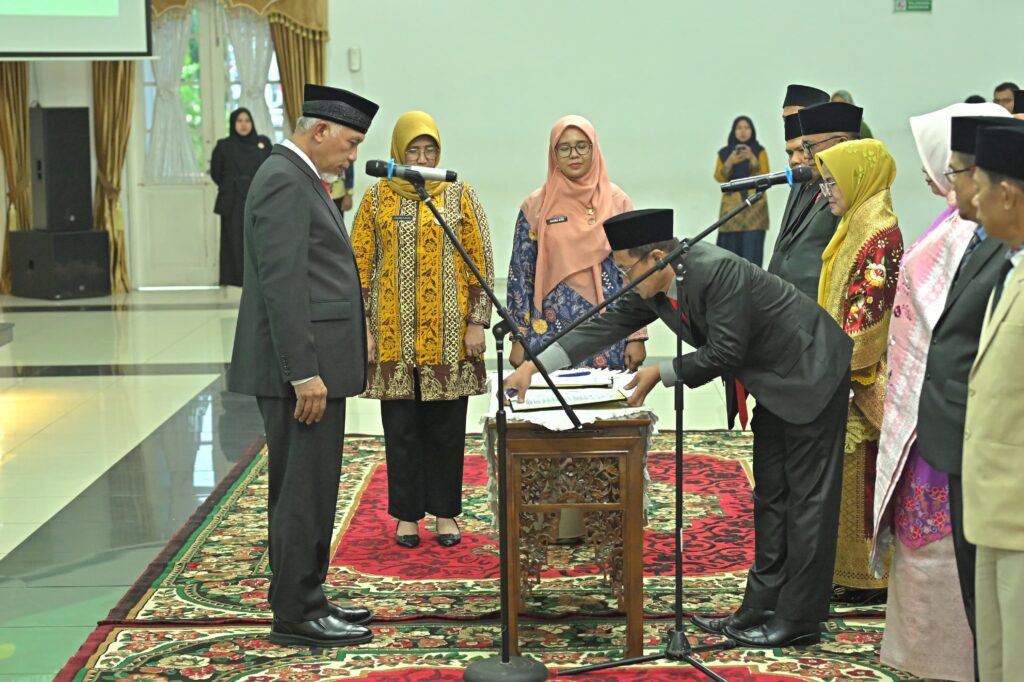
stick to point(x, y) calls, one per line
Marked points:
point(742, 157)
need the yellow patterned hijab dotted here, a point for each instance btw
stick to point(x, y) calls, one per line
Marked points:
point(862, 169)
point(409, 126)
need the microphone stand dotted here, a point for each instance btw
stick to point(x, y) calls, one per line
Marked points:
point(677, 646)
point(502, 667)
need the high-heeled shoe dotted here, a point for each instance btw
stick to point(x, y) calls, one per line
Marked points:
point(448, 539)
point(409, 541)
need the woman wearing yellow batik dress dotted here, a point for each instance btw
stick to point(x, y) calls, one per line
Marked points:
point(860, 266)
point(426, 315)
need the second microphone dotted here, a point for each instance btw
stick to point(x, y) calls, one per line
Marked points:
point(389, 169)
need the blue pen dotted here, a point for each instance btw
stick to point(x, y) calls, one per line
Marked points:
point(574, 374)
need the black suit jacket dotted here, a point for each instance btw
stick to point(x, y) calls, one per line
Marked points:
point(787, 351)
point(301, 313)
point(807, 227)
point(942, 411)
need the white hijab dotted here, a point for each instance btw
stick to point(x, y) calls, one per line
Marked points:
point(932, 133)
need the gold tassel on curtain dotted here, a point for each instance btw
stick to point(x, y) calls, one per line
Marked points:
point(300, 60)
point(15, 146)
point(112, 86)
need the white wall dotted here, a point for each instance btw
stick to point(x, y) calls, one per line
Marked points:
point(662, 81)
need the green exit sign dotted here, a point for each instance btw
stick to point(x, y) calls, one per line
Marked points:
point(913, 5)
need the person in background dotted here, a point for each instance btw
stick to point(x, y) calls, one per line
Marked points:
point(426, 313)
point(1003, 95)
point(341, 191)
point(845, 96)
point(232, 167)
point(926, 629)
point(561, 263)
point(742, 157)
point(993, 439)
point(808, 224)
point(857, 286)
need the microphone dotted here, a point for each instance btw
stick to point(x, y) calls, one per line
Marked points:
point(763, 182)
point(390, 169)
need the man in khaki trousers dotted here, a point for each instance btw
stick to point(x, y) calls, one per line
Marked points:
point(993, 466)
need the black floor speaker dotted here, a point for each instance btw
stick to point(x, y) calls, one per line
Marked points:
point(59, 265)
point(61, 172)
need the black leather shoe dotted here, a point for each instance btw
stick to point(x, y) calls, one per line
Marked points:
point(449, 539)
point(326, 631)
point(409, 541)
point(857, 597)
point(743, 618)
point(777, 633)
point(356, 615)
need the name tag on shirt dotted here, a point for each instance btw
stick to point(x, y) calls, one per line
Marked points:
point(403, 217)
point(557, 219)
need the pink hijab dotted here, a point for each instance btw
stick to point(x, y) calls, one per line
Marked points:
point(578, 242)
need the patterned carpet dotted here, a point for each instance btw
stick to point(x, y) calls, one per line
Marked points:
point(200, 612)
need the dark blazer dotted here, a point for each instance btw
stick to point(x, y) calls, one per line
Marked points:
point(806, 230)
point(301, 313)
point(942, 411)
point(786, 350)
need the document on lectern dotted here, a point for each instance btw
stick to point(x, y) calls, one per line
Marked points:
point(576, 378)
point(544, 399)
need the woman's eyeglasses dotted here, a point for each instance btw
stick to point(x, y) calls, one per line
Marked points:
point(827, 188)
point(565, 150)
point(430, 153)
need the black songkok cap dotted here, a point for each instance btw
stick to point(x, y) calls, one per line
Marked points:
point(792, 123)
point(831, 117)
point(804, 96)
point(1001, 150)
point(964, 130)
point(639, 228)
point(340, 106)
point(1018, 101)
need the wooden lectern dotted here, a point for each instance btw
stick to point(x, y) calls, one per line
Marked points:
point(598, 471)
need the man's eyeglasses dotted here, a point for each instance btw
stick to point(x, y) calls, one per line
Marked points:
point(565, 150)
point(951, 172)
point(809, 146)
point(429, 152)
point(625, 272)
point(827, 187)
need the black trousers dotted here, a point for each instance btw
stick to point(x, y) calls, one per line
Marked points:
point(425, 443)
point(798, 476)
point(305, 469)
point(963, 550)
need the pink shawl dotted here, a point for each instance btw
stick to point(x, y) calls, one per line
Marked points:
point(926, 276)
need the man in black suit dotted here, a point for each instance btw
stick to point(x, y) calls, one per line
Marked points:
point(808, 224)
point(793, 358)
point(942, 410)
point(301, 349)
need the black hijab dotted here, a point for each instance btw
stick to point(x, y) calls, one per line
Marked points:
point(252, 138)
point(741, 169)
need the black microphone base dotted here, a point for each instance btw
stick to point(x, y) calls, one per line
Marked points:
point(518, 669)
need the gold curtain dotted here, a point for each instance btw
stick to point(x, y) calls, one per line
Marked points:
point(161, 6)
point(310, 14)
point(300, 59)
point(15, 146)
point(112, 86)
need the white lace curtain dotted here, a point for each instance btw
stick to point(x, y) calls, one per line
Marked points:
point(171, 157)
point(249, 35)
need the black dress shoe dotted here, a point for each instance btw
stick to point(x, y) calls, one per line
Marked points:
point(450, 539)
point(409, 541)
point(854, 596)
point(743, 618)
point(326, 631)
point(356, 615)
point(777, 633)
